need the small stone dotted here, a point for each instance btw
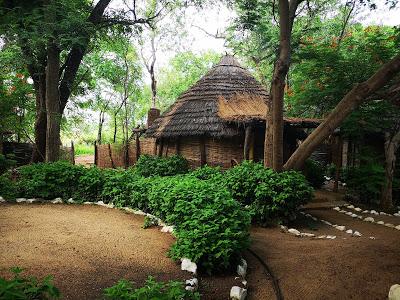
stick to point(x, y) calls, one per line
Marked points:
point(139, 212)
point(242, 268)
point(349, 231)
point(372, 238)
point(307, 234)
point(71, 201)
point(369, 219)
point(365, 212)
point(380, 222)
point(321, 237)
point(350, 206)
point(359, 217)
point(349, 213)
point(31, 200)
point(398, 227)
point(396, 214)
point(294, 231)
point(244, 282)
point(394, 292)
point(341, 228)
point(331, 237)
point(342, 211)
point(238, 293)
point(188, 265)
point(2, 200)
point(20, 200)
point(308, 215)
point(337, 208)
point(354, 216)
point(356, 233)
point(374, 212)
point(390, 225)
point(88, 203)
point(194, 283)
point(326, 222)
point(167, 229)
point(383, 214)
point(109, 205)
point(358, 209)
point(314, 218)
point(284, 228)
point(57, 201)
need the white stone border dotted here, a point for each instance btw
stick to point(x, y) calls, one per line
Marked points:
point(372, 212)
point(352, 232)
point(367, 219)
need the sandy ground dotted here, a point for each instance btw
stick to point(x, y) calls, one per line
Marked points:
point(344, 268)
point(88, 248)
point(85, 248)
point(85, 160)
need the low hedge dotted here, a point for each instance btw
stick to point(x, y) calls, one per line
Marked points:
point(148, 166)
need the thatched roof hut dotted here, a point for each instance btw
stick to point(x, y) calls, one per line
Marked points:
point(214, 113)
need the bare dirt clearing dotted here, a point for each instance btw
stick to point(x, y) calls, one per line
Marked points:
point(85, 248)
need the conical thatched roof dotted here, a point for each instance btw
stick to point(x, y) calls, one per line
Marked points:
point(226, 95)
point(201, 110)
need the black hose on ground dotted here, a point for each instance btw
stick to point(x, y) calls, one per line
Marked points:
point(275, 283)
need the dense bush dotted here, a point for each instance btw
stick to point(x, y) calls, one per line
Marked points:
point(211, 227)
point(49, 180)
point(206, 172)
point(6, 163)
point(90, 185)
point(8, 189)
point(28, 288)
point(173, 290)
point(314, 173)
point(161, 166)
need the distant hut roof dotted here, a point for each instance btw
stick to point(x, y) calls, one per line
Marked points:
point(227, 93)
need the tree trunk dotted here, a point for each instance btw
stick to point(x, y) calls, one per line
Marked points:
point(115, 128)
point(100, 129)
point(351, 101)
point(39, 150)
point(53, 104)
point(391, 146)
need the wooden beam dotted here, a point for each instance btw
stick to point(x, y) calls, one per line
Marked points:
point(248, 142)
point(203, 158)
point(95, 153)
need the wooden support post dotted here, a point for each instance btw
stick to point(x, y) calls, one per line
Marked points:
point(177, 146)
point(248, 142)
point(160, 148)
point(203, 158)
point(95, 153)
point(126, 155)
point(72, 153)
point(110, 156)
point(137, 141)
point(337, 155)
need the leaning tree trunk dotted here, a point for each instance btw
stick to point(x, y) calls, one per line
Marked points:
point(39, 150)
point(53, 104)
point(391, 145)
point(351, 101)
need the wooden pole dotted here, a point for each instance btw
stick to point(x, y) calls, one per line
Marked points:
point(160, 148)
point(137, 141)
point(72, 154)
point(203, 158)
point(337, 161)
point(177, 146)
point(95, 153)
point(247, 142)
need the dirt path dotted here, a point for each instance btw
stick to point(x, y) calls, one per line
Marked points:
point(85, 160)
point(85, 248)
point(344, 268)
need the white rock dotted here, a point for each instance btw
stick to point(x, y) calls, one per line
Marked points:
point(284, 228)
point(380, 222)
point(109, 205)
point(242, 268)
point(314, 218)
point(354, 216)
point(244, 282)
point(350, 206)
point(365, 212)
point(192, 283)
point(57, 201)
point(394, 292)
point(374, 212)
point(359, 217)
point(321, 237)
point(356, 233)
point(139, 212)
point(396, 214)
point(2, 200)
point(331, 237)
point(369, 219)
point(190, 288)
point(20, 200)
point(371, 237)
point(238, 293)
point(303, 213)
point(326, 222)
point(31, 200)
point(341, 228)
point(168, 229)
point(306, 234)
point(88, 203)
point(337, 208)
point(349, 213)
point(294, 231)
point(389, 225)
point(398, 227)
point(349, 231)
point(188, 265)
point(358, 209)
point(100, 203)
point(71, 201)
point(383, 214)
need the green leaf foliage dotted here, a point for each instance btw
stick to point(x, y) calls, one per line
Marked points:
point(172, 290)
point(27, 288)
point(148, 165)
point(314, 173)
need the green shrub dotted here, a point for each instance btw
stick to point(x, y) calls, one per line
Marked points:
point(90, 185)
point(8, 188)
point(6, 163)
point(242, 181)
point(172, 290)
point(278, 196)
point(314, 173)
point(211, 228)
point(49, 180)
point(206, 172)
point(27, 287)
point(161, 166)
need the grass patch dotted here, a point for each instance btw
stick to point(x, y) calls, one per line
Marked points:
point(84, 149)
